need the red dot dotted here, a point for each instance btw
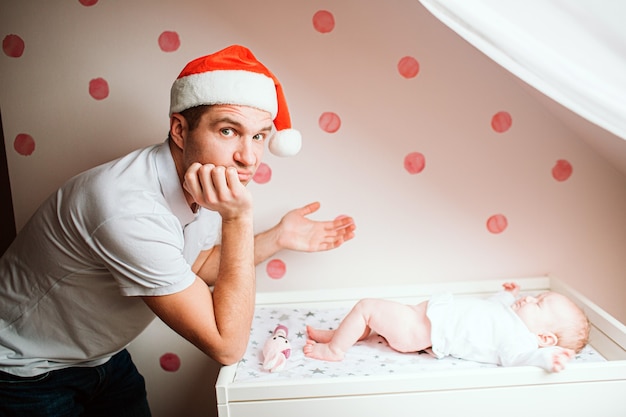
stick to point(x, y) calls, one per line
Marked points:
point(414, 162)
point(13, 46)
point(329, 122)
point(408, 67)
point(170, 362)
point(87, 2)
point(24, 144)
point(501, 122)
point(323, 21)
point(562, 170)
point(169, 41)
point(497, 223)
point(263, 174)
point(99, 88)
point(276, 269)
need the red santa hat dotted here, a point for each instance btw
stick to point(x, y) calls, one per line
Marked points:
point(234, 76)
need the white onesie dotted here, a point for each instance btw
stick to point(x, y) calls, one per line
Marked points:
point(483, 330)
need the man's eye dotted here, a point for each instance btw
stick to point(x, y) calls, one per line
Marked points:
point(258, 137)
point(227, 131)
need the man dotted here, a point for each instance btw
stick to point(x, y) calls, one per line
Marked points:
point(138, 236)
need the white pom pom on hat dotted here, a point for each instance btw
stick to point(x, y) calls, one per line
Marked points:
point(234, 76)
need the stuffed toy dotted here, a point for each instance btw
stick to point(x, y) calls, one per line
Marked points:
point(276, 350)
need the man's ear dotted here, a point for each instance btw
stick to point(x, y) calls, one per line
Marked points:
point(178, 127)
point(547, 339)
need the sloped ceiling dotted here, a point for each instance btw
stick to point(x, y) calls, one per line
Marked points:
point(606, 144)
point(571, 56)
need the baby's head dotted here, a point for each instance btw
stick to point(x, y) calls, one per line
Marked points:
point(555, 319)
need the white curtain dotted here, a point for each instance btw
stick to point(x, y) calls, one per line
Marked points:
point(573, 51)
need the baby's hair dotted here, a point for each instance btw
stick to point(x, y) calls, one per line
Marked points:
point(573, 332)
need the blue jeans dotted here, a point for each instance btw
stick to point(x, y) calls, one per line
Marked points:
point(114, 389)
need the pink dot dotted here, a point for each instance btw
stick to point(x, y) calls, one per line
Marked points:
point(501, 122)
point(497, 223)
point(562, 170)
point(329, 122)
point(99, 88)
point(170, 362)
point(323, 21)
point(87, 2)
point(169, 41)
point(13, 46)
point(263, 174)
point(408, 67)
point(414, 162)
point(276, 269)
point(24, 144)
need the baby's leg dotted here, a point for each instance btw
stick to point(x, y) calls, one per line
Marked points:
point(405, 327)
point(325, 336)
point(319, 335)
point(317, 346)
point(354, 327)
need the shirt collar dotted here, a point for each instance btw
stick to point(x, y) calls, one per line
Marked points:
point(170, 185)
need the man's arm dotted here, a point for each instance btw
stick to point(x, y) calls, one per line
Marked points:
point(218, 323)
point(294, 232)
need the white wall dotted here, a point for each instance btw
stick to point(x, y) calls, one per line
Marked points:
point(425, 227)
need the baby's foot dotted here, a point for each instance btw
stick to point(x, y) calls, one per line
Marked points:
point(319, 335)
point(321, 351)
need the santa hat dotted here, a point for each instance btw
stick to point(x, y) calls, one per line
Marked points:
point(234, 76)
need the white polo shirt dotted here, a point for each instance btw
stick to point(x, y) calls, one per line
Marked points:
point(72, 278)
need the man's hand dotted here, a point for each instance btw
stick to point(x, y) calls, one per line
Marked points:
point(294, 232)
point(297, 232)
point(218, 188)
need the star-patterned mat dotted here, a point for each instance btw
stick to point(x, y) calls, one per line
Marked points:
point(370, 357)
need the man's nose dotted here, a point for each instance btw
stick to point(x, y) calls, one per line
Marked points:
point(245, 153)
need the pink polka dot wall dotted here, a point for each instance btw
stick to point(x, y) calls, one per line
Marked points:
point(408, 64)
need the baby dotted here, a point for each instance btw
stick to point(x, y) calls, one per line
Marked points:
point(544, 331)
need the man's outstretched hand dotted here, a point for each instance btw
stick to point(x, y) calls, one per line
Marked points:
point(299, 233)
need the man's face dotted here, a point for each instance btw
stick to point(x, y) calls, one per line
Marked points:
point(229, 136)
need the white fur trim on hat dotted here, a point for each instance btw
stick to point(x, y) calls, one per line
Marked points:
point(235, 87)
point(286, 142)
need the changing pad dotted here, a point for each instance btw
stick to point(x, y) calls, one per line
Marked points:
point(368, 357)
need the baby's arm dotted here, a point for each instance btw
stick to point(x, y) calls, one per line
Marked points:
point(560, 357)
point(508, 295)
point(512, 287)
point(552, 358)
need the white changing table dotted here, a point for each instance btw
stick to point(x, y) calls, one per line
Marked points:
point(585, 388)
